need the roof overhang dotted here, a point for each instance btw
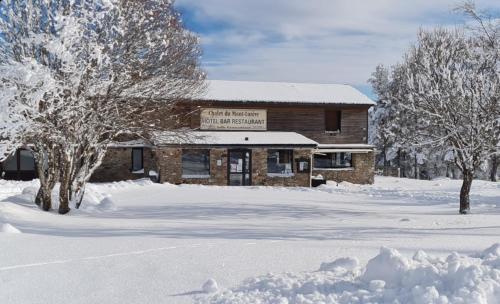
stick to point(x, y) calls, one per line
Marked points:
point(346, 148)
point(233, 139)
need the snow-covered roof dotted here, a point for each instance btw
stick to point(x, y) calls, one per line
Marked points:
point(282, 92)
point(234, 138)
point(138, 143)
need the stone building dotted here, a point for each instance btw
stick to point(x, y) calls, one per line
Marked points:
point(255, 133)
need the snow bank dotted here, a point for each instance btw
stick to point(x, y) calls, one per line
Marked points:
point(9, 229)
point(210, 286)
point(387, 278)
point(107, 204)
point(342, 263)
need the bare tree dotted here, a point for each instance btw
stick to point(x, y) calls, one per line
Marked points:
point(452, 89)
point(108, 64)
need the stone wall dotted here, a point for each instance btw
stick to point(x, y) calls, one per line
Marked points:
point(169, 162)
point(362, 172)
point(117, 166)
point(260, 175)
point(218, 174)
point(259, 167)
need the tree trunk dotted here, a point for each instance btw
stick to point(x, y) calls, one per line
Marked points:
point(65, 181)
point(386, 162)
point(47, 182)
point(64, 199)
point(468, 177)
point(416, 167)
point(38, 198)
point(44, 198)
point(80, 198)
point(494, 168)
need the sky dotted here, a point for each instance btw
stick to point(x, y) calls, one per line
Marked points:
point(312, 41)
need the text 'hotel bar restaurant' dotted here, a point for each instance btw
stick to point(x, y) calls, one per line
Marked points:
point(252, 133)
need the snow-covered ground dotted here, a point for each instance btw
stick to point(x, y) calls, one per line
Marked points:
point(138, 242)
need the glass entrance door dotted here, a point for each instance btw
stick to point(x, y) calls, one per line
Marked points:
point(239, 168)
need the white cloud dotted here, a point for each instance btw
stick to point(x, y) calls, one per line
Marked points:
point(312, 41)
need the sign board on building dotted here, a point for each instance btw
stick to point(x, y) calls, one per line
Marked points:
point(233, 119)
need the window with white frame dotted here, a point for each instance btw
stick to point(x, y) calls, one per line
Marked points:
point(195, 163)
point(333, 160)
point(280, 161)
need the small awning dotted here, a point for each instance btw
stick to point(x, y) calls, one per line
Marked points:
point(344, 148)
point(233, 138)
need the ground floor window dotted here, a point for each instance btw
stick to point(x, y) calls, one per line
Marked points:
point(19, 166)
point(10, 164)
point(280, 161)
point(137, 159)
point(195, 163)
point(22, 160)
point(333, 160)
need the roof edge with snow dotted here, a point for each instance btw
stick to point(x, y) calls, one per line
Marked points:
point(284, 92)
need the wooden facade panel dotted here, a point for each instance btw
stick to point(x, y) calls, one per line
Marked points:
point(308, 121)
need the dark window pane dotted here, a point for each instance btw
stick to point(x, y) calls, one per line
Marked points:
point(10, 164)
point(279, 161)
point(137, 160)
point(196, 162)
point(236, 179)
point(332, 120)
point(27, 161)
point(333, 160)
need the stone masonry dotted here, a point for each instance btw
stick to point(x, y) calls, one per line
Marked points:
point(169, 162)
point(117, 166)
point(362, 171)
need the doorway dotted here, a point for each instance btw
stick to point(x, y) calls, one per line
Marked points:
point(239, 168)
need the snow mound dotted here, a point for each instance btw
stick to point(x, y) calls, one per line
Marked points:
point(389, 266)
point(30, 191)
point(107, 204)
point(340, 264)
point(210, 286)
point(26, 195)
point(9, 229)
point(389, 277)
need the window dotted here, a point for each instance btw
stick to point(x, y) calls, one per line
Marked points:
point(195, 163)
point(26, 161)
point(332, 120)
point(22, 160)
point(333, 160)
point(279, 161)
point(137, 159)
point(10, 164)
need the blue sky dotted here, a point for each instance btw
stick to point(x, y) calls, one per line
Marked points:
point(323, 41)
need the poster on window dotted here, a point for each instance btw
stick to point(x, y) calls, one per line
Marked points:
point(233, 119)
